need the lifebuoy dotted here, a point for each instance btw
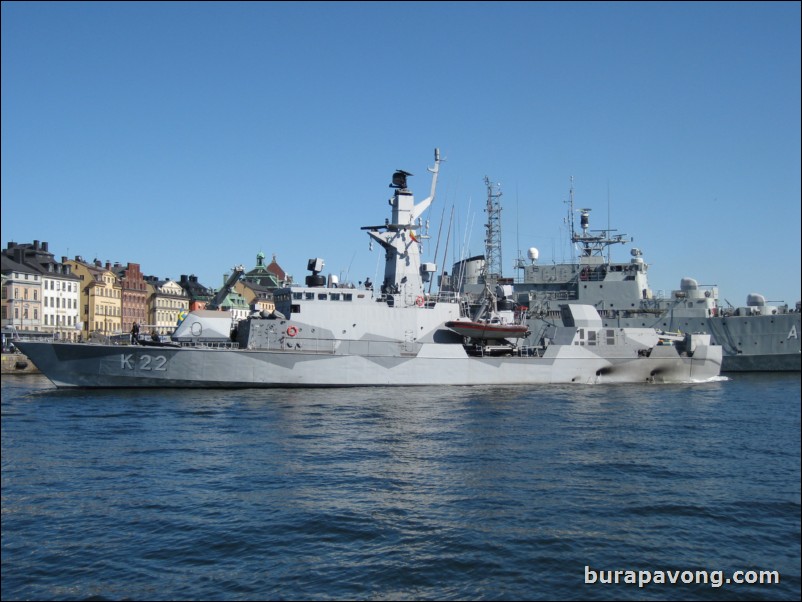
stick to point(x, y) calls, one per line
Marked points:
point(292, 331)
point(419, 300)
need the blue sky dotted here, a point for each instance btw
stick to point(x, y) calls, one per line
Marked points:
point(198, 134)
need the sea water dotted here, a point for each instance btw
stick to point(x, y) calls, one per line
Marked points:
point(499, 493)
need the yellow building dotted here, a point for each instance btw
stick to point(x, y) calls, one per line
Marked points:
point(257, 297)
point(101, 297)
point(257, 285)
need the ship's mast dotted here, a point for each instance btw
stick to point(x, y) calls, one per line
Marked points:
point(492, 268)
point(404, 274)
point(590, 244)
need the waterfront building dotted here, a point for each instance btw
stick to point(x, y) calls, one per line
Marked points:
point(197, 294)
point(258, 298)
point(101, 297)
point(266, 276)
point(257, 285)
point(166, 302)
point(274, 268)
point(56, 303)
point(134, 300)
point(22, 297)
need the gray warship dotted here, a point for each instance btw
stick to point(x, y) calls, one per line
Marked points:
point(755, 337)
point(327, 335)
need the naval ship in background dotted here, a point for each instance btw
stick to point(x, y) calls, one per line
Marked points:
point(754, 337)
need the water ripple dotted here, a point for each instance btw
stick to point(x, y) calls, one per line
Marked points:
point(445, 493)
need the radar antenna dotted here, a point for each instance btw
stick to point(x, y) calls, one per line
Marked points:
point(592, 242)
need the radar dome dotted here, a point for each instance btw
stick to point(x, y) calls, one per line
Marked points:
point(755, 300)
point(688, 284)
point(533, 253)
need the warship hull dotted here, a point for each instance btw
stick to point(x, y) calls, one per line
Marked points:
point(767, 343)
point(756, 337)
point(342, 336)
point(82, 365)
point(756, 343)
point(762, 363)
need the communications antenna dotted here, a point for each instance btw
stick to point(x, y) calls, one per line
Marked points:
point(591, 242)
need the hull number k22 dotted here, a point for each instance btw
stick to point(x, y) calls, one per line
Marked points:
point(128, 361)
